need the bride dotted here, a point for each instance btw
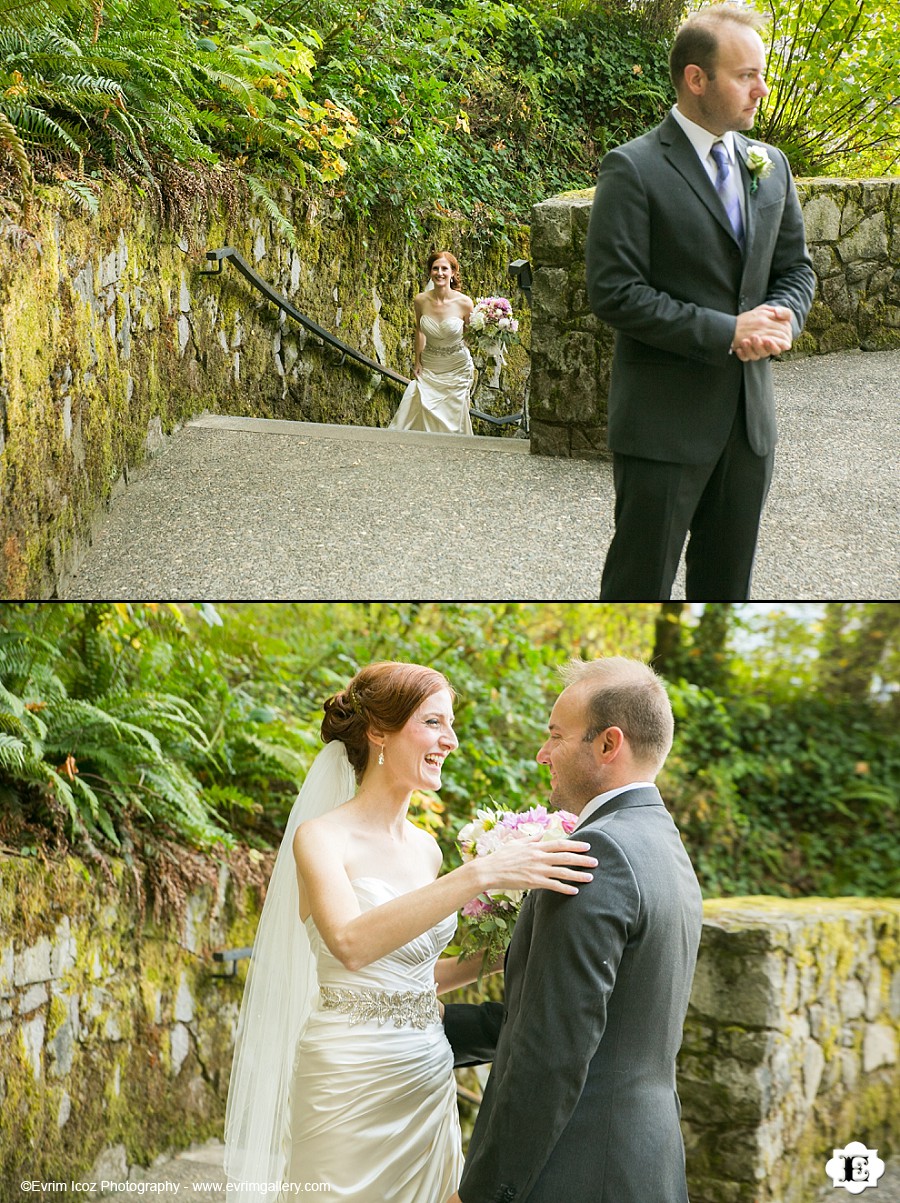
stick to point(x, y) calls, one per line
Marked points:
point(437, 398)
point(342, 1073)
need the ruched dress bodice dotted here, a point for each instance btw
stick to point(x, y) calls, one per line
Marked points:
point(438, 400)
point(373, 1100)
point(408, 968)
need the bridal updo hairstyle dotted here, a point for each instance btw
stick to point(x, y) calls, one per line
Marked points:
point(454, 266)
point(381, 695)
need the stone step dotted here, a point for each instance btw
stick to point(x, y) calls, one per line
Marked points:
point(362, 434)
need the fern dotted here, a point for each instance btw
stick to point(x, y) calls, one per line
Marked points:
point(282, 224)
point(108, 756)
point(15, 148)
point(83, 195)
point(38, 129)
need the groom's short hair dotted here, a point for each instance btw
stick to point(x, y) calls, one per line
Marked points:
point(697, 39)
point(627, 694)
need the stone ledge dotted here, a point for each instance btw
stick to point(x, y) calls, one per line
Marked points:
point(791, 1043)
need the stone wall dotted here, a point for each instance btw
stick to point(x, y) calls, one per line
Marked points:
point(116, 1036)
point(110, 338)
point(853, 230)
point(790, 1045)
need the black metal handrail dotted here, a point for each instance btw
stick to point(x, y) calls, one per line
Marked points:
point(230, 957)
point(223, 253)
point(228, 253)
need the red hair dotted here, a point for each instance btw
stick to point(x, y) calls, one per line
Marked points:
point(382, 695)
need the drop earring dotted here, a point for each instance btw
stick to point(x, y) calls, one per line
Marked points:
point(381, 755)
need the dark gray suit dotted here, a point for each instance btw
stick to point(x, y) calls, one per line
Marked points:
point(665, 270)
point(581, 1101)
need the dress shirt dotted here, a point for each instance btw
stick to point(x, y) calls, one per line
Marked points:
point(702, 141)
point(602, 799)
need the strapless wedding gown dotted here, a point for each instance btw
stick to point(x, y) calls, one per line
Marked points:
point(373, 1098)
point(439, 399)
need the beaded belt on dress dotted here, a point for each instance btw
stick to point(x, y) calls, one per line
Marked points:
point(433, 350)
point(403, 1006)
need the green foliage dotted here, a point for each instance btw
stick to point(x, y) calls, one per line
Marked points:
point(483, 106)
point(141, 721)
point(135, 88)
point(788, 798)
point(833, 71)
point(473, 106)
point(105, 760)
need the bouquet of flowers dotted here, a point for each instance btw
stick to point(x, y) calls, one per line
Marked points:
point(488, 920)
point(492, 324)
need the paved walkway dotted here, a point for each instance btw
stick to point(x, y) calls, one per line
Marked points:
point(200, 1178)
point(246, 508)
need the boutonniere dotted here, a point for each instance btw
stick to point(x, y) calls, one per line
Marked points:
point(759, 165)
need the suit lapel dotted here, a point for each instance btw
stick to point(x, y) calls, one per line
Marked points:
point(679, 152)
point(740, 149)
point(641, 796)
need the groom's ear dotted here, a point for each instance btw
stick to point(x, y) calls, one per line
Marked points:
point(608, 744)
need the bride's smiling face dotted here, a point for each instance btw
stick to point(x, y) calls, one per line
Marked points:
point(413, 756)
point(441, 273)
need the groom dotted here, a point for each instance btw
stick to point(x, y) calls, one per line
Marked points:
point(696, 256)
point(581, 1101)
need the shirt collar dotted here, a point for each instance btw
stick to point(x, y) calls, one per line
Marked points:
point(701, 139)
point(595, 803)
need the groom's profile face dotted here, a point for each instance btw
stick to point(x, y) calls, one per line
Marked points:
point(575, 775)
point(729, 98)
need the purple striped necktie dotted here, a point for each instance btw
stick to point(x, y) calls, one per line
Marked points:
point(726, 186)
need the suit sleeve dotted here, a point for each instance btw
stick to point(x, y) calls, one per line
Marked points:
point(792, 281)
point(472, 1031)
point(618, 273)
point(576, 946)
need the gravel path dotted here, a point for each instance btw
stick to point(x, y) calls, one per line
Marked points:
point(246, 509)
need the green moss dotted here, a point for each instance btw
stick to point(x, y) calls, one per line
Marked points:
point(122, 1090)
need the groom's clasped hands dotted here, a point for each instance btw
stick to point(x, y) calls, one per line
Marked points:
point(763, 331)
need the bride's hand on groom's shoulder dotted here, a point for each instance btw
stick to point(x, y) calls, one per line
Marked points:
point(538, 865)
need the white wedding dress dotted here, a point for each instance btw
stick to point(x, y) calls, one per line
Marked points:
point(373, 1100)
point(439, 399)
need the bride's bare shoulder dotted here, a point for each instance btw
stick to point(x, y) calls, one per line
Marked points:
point(327, 832)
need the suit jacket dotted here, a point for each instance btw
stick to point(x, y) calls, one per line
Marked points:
point(581, 1101)
point(665, 270)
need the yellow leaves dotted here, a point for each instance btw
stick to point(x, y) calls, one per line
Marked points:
point(18, 86)
point(325, 129)
point(340, 138)
point(332, 166)
point(427, 811)
point(68, 768)
point(462, 121)
point(35, 707)
point(637, 69)
point(861, 768)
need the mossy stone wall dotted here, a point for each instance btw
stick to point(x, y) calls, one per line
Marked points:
point(790, 1045)
point(110, 338)
point(853, 232)
point(116, 1038)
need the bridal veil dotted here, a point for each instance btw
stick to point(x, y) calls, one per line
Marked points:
point(278, 997)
